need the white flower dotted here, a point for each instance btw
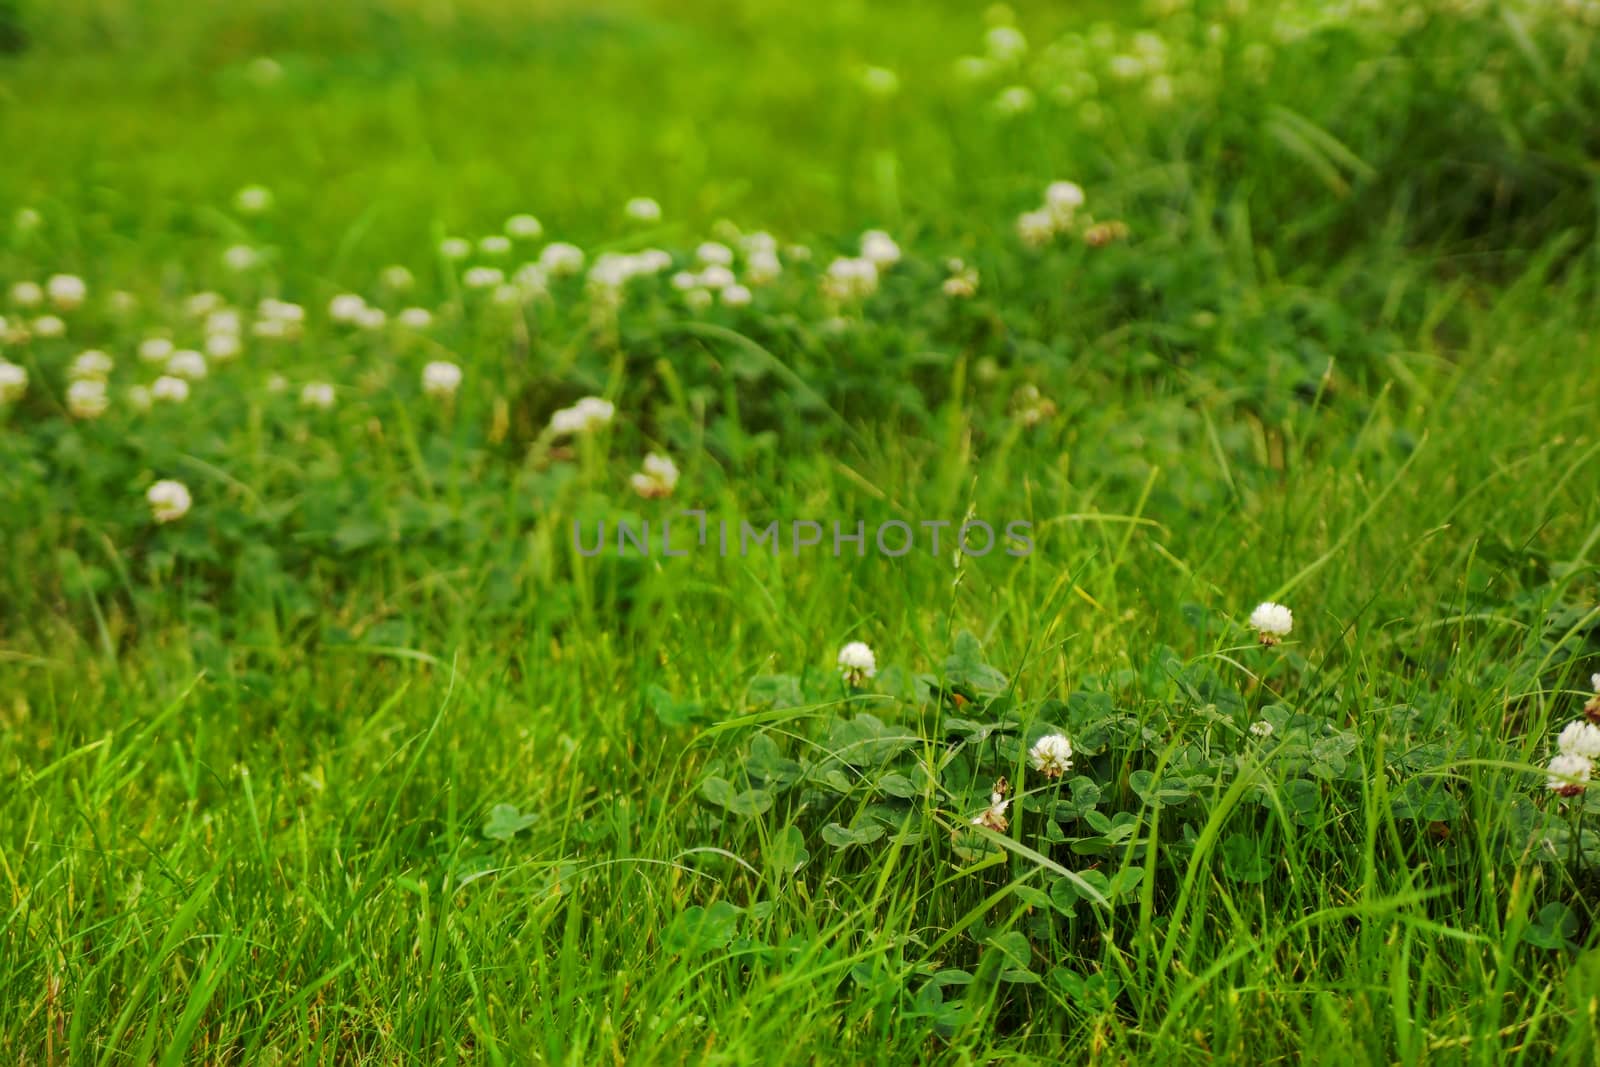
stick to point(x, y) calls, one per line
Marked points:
point(879, 249)
point(139, 397)
point(716, 276)
point(203, 303)
point(66, 291)
point(532, 279)
point(169, 500)
point(559, 258)
point(224, 346)
point(1580, 738)
point(963, 280)
point(1261, 728)
point(121, 303)
point(1036, 228)
point(372, 318)
point(994, 816)
point(93, 364)
point(86, 398)
point(736, 296)
point(658, 478)
point(317, 395)
point(762, 266)
point(714, 253)
point(653, 260)
point(1062, 200)
point(1272, 621)
point(346, 308)
point(857, 663)
point(282, 311)
point(155, 350)
point(415, 318)
point(277, 384)
point(697, 299)
point(880, 81)
point(27, 294)
point(495, 245)
point(253, 200)
point(240, 258)
point(588, 414)
point(397, 278)
point(1569, 774)
point(225, 320)
point(441, 378)
point(642, 209)
point(849, 279)
point(1005, 44)
point(455, 248)
point(169, 389)
point(684, 280)
point(1051, 755)
point(49, 326)
point(1595, 681)
point(187, 363)
point(13, 381)
point(524, 227)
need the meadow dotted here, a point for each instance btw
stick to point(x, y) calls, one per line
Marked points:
point(751, 531)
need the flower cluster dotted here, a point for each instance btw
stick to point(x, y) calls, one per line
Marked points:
point(857, 663)
point(1577, 747)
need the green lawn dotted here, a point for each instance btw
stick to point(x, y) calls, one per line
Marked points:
point(366, 756)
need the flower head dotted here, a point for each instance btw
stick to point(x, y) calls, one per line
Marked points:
point(169, 390)
point(187, 363)
point(559, 258)
point(441, 378)
point(169, 500)
point(586, 415)
point(1272, 622)
point(857, 662)
point(850, 278)
point(66, 291)
point(253, 200)
point(658, 478)
point(1568, 774)
point(642, 209)
point(455, 248)
point(736, 296)
point(155, 350)
point(240, 258)
point(415, 318)
point(49, 326)
point(318, 395)
point(1261, 728)
point(91, 364)
point(86, 398)
point(346, 308)
point(1051, 755)
point(879, 249)
point(1580, 738)
point(27, 294)
point(524, 228)
point(495, 245)
point(994, 816)
point(13, 381)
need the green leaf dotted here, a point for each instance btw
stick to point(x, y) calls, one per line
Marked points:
point(787, 852)
point(504, 822)
point(1244, 859)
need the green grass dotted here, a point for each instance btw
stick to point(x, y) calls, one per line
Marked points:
point(360, 761)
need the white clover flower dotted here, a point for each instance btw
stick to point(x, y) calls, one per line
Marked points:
point(240, 258)
point(346, 308)
point(760, 241)
point(879, 249)
point(850, 279)
point(533, 280)
point(66, 291)
point(880, 81)
point(684, 280)
point(455, 248)
point(974, 68)
point(1036, 228)
point(86, 398)
point(963, 281)
point(13, 382)
point(524, 228)
point(277, 384)
point(1005, 44)
point(169, 500)
point(1595, 681)
point(169, 390)
point(121, 303)
point(1261, 728)
point(658, 478)
point(642, 209)
point(253, 200)
point(1569, 774)
point(139, 398)
point(318, 395)
point(224, 346)
point(415, 318)
point(49, 326)
point(1062, 200)
point(93, 364)
point(762, 266)
point(27, 294)
point(560, 258)
point(398, 278)
point(203, 303)
point(1051, 755)
point(1272, 622)
point(698, 299)
point(586, 415)
point(1125, 68)
point(372, 318)
point(857, 662)
point(441, 378)
point(714, 253)
point(224, 320)
point(1580, 738)
point(495, 245)
point(187, 363)
point(736, 296)
point(994, 816)
point(155, 350)
point(1014, 100)
point(282, 311)
point(716, 276)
